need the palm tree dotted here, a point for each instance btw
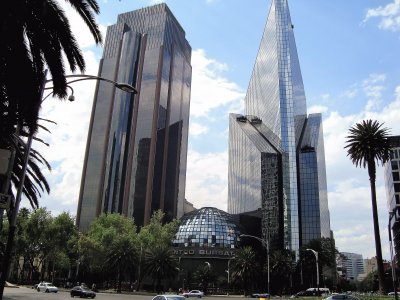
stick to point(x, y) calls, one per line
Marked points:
point(367, 143)
point(282, 268)
point(36, 34)
point(244, 266)
point(204, 276)
point(121, 256)
point(35, 183)
point(160, 263)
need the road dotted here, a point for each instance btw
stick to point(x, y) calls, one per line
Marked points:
point(24, 293)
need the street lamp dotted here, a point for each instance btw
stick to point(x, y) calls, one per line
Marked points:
point(82, 77)
point(266, 245)
point(14, 212)
point(229, 273)
point(316, 262)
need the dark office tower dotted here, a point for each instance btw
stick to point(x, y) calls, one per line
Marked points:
point(135, 161)
point(276, 153)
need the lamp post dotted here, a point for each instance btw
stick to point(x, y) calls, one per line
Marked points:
point(266, 245)
point(140, 263)
point(14, 211)
point(394, 277)
point(229, 273)
point(316, 263)
point(208, 276)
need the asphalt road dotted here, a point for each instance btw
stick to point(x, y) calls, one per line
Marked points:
point(25, 293)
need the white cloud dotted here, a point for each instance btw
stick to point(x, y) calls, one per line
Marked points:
point(374, 78)
point(207, 179)
point(389, 16)
point(210, 89)
point(350, 93)
point(197, 129)
point(373, 89)
point(153, 2)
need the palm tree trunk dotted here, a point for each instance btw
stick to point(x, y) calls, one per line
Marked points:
point(378, 247)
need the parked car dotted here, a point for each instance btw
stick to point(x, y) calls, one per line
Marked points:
point(312, 292)
point(169, 297)
point(46, 287)
point(260, 295)
point(322, 291)
point(82, 291)
point(193, 293)
point(341, 297)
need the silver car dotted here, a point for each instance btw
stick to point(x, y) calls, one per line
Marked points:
point(168, 297)
point(341, 296)
point(46, 287)
point(193, 293)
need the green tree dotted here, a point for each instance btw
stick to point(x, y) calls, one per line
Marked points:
point(21, 240)
point(110, 246)
point(120, 256)
point(65, 237)
point(369, 283)
point(40, 242)
point(367, 144)
point(156, 234)
point(243, 267)
point(281, 269)
point(160, 263)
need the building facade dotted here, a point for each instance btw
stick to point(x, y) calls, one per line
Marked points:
point(353, 264)
point(135, 160)
point(392, 184)
point(276, 151)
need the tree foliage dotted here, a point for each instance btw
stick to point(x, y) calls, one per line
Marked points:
point(42, 239)
point(109, 245)
point(35, 184)
point(160, 263)
point(243, 267)
point(281, 270)
point(157, 232)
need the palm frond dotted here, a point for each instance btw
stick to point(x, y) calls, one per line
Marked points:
point(368, 142)
point(84, 9)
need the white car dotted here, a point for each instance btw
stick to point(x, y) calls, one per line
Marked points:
point(47, 287)
point(193, 293)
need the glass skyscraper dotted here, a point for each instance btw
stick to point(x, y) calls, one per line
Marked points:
point(276, 151)
point(135, 160)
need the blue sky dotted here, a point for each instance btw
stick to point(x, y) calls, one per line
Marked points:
point(348, 52)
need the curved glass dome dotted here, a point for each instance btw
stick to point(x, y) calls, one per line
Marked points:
point(207, 227)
